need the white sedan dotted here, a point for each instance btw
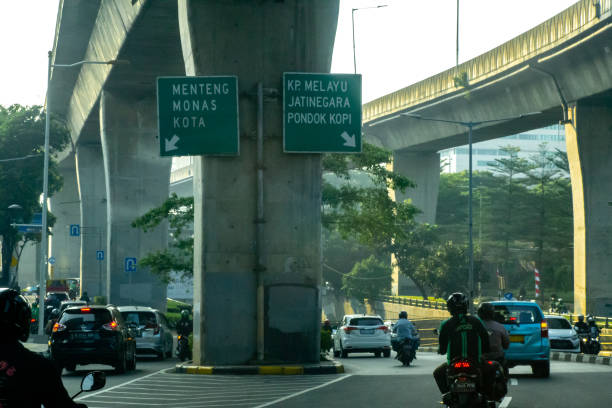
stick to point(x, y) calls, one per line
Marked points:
point(361, 333)
point(561, 334)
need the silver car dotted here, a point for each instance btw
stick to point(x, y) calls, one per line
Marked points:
point(562, 335)
point(152, 331)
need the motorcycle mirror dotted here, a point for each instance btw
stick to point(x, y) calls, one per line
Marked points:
point(93, 381)
point(435, 331)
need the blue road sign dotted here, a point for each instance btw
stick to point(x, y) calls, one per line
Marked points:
point(75, 230)
point(51, 260)
point(508, 296)
point(130, 264)
point(100, 255)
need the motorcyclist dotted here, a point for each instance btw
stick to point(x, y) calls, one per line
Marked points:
point(327, 326)
point(52, 320)
point(499, 340)
point(593, 330)
point(184, 326)
point(405, 330)
point(463, 336)
point(580, 325)
point(20, 367)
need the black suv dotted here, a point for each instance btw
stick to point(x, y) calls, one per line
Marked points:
point(92, 335)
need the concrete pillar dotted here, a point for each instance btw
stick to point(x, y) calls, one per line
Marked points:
point(92, 193)
point(65, 248)
point(422, 168)
point(257, 41)
point(589, 150)
point(137, 180)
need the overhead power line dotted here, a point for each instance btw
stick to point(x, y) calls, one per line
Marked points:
point(20, 158)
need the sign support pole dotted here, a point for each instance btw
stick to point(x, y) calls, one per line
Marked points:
point(259, 238)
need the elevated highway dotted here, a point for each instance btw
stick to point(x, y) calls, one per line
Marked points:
point(561, 69)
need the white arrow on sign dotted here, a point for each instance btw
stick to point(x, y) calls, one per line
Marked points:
point(348, 140)
point(171, 144)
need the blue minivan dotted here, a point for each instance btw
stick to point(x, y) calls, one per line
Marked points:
point(528, 330)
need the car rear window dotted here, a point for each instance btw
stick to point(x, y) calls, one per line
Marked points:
point(521, 314)
point(366, 321)
point(146, 319)
point(558, 324)
point(82, 319)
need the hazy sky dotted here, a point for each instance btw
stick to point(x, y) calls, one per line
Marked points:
point(396, 46)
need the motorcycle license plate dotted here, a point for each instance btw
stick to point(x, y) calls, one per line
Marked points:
point(366, 331)
point(517, 339)
point(464, 386)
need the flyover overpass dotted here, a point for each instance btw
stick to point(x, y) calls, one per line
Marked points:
point(562, 69)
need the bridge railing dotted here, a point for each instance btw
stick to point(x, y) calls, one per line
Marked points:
point(430, 304)
point(566, 25)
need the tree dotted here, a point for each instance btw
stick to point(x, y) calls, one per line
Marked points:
point(21, 171)
point(178, 257)
point(368, 279)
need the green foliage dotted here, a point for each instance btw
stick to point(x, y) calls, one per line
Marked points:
point(178, 257)
point(368, 279)
point(21, 164)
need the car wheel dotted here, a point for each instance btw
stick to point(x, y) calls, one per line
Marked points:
point(336, 352)
point(377, 354)
point(387, 353)
point(132, 363)
point(121, 366)
point(541, 369)
point(343, 352)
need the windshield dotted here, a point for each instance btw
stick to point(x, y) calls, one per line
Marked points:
point(146, 319)
point(521, 314)
point(366, 321)
point(92, 319)
point(558, 324)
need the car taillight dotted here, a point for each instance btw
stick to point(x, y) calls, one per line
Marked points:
point(112, 326)
point(32, 320)
point(544, 329)
point(462, 364)
point(58, 327)
point(349, 329)
point(85, 310)
point(383, 328)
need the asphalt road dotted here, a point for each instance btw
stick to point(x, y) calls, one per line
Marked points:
point(368, 382)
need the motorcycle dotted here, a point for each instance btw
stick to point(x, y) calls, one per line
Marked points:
point(182, 348)
point(465, 382)
point(405, 350)
point(589, 343)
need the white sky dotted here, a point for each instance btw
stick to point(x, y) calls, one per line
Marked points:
point(397, 45)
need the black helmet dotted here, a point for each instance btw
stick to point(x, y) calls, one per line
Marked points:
point(403, 314)
point(184, 314)
point(590, 319)
point(580, 317)
point(486, 311)
point(457, 303)
point(15, 315)
point(54, 313)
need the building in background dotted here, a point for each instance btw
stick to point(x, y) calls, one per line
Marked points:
point(456, 159)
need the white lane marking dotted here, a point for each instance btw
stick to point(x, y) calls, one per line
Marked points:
point(513, 381)
point(303, 392)
point(119, 385)
point(505, 402)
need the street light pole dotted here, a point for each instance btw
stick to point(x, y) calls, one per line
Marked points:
point(470, 126)
point(353, 26)
point(42, 290)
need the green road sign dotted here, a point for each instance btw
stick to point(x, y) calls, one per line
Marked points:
point(198, 115)
point(321, 113)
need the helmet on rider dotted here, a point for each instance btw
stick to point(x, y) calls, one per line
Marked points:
point(486, 311)
point(580, 318)
point(184, 314)
point(54, 313)
point(403, 314)
point(590, 319)
point(15, 315)
point(457, 303)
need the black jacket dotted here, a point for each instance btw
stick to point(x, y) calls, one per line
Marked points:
point(29, 380)
point(463, 336)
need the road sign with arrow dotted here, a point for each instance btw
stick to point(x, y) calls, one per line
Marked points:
point(321, 113)
point(198, 116)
